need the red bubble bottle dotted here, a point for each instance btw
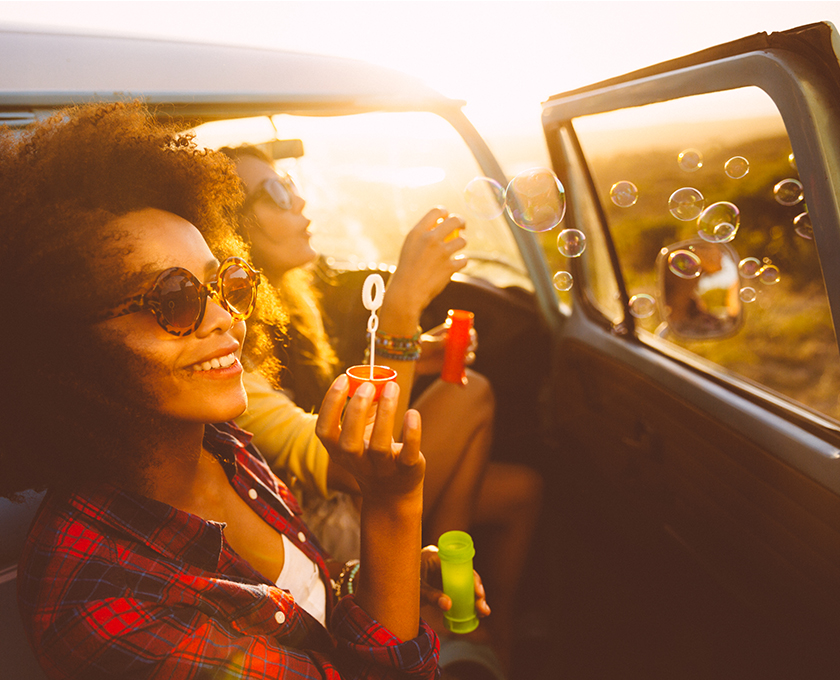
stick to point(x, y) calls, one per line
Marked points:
point(459, 323)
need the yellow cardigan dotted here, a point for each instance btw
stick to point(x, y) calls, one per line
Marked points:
point(285, 434)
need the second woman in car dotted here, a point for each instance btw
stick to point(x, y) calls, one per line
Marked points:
point(462, 486)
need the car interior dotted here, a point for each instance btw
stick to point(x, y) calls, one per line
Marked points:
point(665, 354)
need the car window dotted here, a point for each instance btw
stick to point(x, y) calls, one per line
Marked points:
point(593, 263)
point(368, 178)
point(705, 208)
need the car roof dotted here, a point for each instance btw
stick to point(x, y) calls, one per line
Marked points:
point(49, 68)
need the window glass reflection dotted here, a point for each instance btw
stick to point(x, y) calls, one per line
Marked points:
point(685, 183)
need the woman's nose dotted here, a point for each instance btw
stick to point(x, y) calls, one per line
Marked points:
point(216, 317)
point(298, 203)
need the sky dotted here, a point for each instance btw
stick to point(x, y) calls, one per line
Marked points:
point(503, 58)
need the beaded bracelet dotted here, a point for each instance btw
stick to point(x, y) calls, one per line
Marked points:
point(397, 341)
point(345, 584)
point(351, 578)
point(396, 347)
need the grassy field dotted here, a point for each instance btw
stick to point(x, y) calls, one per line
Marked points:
point(787, 341)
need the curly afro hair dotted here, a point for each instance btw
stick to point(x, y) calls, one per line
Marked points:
point(73, 413)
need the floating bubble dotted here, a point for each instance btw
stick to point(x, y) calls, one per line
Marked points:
point(747, 294)
point(485, 197)
point(749, 267)
point(802, 225)
point(642, 306)
point(736, 167)
point(536, 200)
point(571, 242)
point(624, 194)
point(685, 264)
point(690, 160)
point(563, 281)
point(686, 204)
point(725, 232)
point(788, 191)
point(769, 274)
point(719, 222)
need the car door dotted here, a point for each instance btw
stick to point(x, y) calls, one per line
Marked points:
point(695, 373)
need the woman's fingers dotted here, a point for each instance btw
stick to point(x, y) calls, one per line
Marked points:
point(342, 425)
point(435, 597)
point(410, 451)
point(473, 346)
point(442, 228)
point(381, 438)
point(431, 218)
point(356, 417)
point(481, 606)
point(437, 332)
point(328, 426)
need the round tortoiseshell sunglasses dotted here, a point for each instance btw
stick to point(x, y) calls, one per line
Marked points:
point(178, 299)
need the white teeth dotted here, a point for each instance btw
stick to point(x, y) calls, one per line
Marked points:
point(221, 362)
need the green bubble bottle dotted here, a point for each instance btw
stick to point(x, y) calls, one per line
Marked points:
point(456, 567)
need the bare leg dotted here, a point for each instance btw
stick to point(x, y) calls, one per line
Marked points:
point(457, 434)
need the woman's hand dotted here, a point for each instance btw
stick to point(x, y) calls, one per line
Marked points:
point(431, 585)
point(428, 259)
point(390, 477)
point(384, 470)
point(433, 347)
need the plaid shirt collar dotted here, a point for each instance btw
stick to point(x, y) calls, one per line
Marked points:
point(182, 536)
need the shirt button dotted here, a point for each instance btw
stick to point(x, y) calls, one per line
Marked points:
point(301, 537)
point(252, 493)
point(280, 617)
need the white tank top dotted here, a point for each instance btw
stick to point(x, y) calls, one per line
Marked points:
point(300, 576)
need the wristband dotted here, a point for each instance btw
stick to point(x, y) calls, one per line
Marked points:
point(395, 347)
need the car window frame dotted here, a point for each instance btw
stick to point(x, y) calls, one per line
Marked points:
point(801, 87)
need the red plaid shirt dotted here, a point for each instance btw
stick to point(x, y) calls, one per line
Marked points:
point(115, 585)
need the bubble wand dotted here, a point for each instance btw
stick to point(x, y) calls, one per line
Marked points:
point(373, 293)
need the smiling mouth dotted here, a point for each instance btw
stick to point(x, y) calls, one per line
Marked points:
point(217, 362)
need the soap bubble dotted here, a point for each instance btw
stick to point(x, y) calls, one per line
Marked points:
point(690, 160)
point(485, 197)
point(571, 242)
point(736, 167)
point(719, 222)
point(685, 264)
point(624, 194)
point(686, 204)
point(749, 267)
point(642, 306)
point(747, 294)
point(802, 225)
point(563, 281)
point(788, 191)
point(536, 200)
point(769, 274)
point(724, 232)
